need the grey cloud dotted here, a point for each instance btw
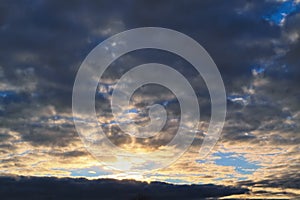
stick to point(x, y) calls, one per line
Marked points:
point(289, 180)
point(66, 188)
point(70, 154)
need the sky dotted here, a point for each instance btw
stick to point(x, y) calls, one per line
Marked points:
point(254, 43)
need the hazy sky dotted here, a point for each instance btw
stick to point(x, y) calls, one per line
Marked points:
point(255, 44)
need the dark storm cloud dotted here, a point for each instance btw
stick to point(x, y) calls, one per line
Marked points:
point(54, 37)
point(64, 188)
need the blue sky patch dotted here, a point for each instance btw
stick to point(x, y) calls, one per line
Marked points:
point(241, 165)
point(279, 15)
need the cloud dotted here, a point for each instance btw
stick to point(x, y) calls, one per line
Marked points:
point(37, 188)
point(259, 62)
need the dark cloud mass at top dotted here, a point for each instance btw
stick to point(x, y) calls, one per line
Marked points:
point(255, 44)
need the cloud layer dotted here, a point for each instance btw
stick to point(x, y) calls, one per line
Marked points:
point(255, 45)
point(66, 188)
